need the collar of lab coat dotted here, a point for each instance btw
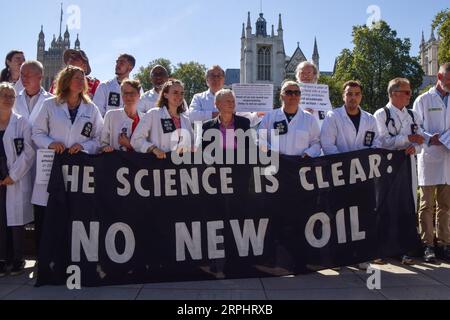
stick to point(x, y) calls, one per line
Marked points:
point(343, 113)
point(83, 109)
point(433, 91)
point(282, 115)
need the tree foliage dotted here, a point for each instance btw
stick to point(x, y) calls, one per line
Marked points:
point(442, 24)
point(378, 56)
point(192, 74)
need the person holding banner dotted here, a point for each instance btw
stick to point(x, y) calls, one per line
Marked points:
point(297, 131)
point(68, 122)
point(120, 124)
point(165, 128)
point(399, 129)
point(227, 122)
point(433, 110)
point(16, 159)
point(349, 128)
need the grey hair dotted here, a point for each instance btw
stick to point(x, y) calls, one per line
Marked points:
point(303, 64)
point(445, 68)
point(35, 64)
point(395, 84)
point(7, 86)
point(223, 92)
point(288, 83)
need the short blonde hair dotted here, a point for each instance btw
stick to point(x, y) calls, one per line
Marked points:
point(63, 80)
point(395, 84)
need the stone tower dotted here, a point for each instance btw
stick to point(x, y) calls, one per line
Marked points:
point(429, 55)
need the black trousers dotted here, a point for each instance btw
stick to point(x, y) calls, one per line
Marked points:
point(11, 238)
point(39, 216)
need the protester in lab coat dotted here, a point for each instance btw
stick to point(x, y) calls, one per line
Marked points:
point(203, 107)
point(400, 129)
point(68, 122)
point(165, 128)
point(158, 76)
point(298, 131)
point(29, 101)
point(16, 159)
point(11, 73)
point(349, 128)
point(434, 167)
point(120, 124)
point(107, 97)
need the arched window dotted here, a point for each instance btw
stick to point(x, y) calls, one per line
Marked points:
point(264, 64)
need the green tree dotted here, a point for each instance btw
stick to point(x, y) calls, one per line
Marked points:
point(442, 24)
point(335, 89)
point(192, 74)
point(377, 57)
point(143, 74)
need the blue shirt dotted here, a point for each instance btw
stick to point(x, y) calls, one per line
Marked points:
point(443, 97)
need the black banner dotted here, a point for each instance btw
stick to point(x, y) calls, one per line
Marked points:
point(126, 218)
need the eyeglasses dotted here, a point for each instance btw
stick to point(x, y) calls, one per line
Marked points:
point(7, 96)
point(407, 92)
point(159, 74)
point(216, 76)
point(296, 93)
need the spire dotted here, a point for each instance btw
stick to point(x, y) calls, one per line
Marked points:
point(315, 56)
point(60, 21)
point(298, 45)
point(249, 25)
point(423, 38)
point(432, 38)
point(67, 34)
point(77, 43)
point(280, 24)
point(243, 31)
point(41, 34)
point(273, 31)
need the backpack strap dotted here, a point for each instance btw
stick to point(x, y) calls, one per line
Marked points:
point(389, 119)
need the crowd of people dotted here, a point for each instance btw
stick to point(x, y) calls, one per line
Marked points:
point(80, 114)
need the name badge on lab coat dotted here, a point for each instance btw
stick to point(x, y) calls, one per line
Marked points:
point(281, 126)
point(168, 125)
point(87, 130)
point(322, 115)
point(368, 138)
point(18, 143)
point(114, 99)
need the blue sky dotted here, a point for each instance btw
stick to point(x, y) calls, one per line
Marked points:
point(204, 31)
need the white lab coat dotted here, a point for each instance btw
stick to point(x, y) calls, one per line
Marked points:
point(400, 128)
point(116, 122)
point(18, 86)
point(108, 96)
point(148, 101)
point(303, 134)
point(149, 133)
point(338, 134)
point(433, 161)
point(21, 107)
point(53, 124)
point(18, 206)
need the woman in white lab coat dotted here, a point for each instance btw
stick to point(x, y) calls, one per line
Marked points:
point(68, 122)
point(16, 159)
point(120, 124)
point(290, 130)
point(165, 128)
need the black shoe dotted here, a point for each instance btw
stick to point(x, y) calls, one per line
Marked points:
point(429, 255)
point(2, 269)
point(407, 260)
point(18, 268)
point(444, 253)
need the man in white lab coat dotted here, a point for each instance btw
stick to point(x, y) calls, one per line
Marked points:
point(107, 97)
point(30, 100)
point(349, 128)
point(433, 110)
point(400, 129)
point(158, 76)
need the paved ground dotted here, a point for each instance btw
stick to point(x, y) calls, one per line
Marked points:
point(421, 281)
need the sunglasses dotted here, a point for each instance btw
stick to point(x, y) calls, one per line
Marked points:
point(296, 93)
point(407, 92)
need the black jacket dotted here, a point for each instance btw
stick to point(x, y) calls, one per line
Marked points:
point(239, 123)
